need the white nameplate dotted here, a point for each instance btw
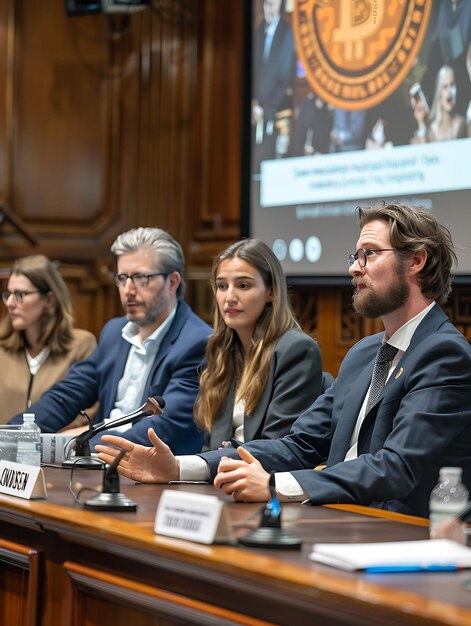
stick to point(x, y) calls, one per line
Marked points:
point(24, 481)
point(192, 516)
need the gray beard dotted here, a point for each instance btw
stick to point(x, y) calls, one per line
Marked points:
point(150, 316)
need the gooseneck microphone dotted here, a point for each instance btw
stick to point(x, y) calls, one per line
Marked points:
point(270, 534)
point(82, 455)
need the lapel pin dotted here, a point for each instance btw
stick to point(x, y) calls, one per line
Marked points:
point(398, 373)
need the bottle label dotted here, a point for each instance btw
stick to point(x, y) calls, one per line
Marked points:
point(438, 515)
point(28, 452)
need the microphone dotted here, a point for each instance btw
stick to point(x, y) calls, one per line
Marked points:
point(82, 453)
point(270, 533)
point(111, 499)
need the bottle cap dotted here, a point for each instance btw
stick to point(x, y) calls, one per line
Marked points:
point(450, 471)
point(28, 417)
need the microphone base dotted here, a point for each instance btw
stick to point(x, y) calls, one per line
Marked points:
point(83, 462)
point(267, 537)
point(110, 502)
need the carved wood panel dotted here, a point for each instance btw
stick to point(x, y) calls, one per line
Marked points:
point(327, 314)
point(5, 91)
point(97, 134)
point(107, 124)
point(19, 584)
point(92, 593)
point(220, 96)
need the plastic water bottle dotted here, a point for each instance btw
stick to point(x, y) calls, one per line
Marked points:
point(448, 498)
point(29, 441)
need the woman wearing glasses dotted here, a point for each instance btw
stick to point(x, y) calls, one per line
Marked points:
point(38, 342)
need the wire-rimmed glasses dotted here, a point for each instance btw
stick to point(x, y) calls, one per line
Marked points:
point(362, 254)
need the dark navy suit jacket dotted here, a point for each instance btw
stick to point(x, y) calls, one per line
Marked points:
point(275, 76)
point(421, 422)
point(174, 376)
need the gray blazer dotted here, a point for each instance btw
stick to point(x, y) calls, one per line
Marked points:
point(294, 382)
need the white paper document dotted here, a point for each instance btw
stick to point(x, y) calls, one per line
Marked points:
point(392, 556)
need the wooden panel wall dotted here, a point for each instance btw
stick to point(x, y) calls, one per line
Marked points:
point(110, 124)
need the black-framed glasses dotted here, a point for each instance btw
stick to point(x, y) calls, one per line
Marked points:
point(138, 280)
point(18, 295)
point(362, 254)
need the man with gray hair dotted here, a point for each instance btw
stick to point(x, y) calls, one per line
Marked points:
point(156, 349)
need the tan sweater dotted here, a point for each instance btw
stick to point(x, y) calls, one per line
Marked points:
point(15, 374)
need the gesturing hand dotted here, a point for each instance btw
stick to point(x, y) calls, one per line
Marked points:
point(140, 463)
point(244, 479)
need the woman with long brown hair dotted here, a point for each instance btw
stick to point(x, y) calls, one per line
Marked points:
point(262, 370)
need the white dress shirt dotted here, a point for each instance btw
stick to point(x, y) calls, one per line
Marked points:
point(35, 363)
point(138, 365)
point(194, 468)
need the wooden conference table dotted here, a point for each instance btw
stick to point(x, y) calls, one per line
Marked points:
point(61, 565)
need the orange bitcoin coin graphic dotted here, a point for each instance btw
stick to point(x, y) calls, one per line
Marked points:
point(357, 52)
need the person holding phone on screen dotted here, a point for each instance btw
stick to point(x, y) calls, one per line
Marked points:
point(443, 122)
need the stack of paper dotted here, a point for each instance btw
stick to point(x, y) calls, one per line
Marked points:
point(394, 556)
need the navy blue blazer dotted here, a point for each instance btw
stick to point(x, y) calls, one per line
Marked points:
point(274, 78)
point(421, 422)
point(174, 376)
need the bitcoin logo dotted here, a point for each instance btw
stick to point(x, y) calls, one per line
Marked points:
point(357, 52)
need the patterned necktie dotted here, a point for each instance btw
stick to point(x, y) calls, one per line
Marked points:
point(385, 355)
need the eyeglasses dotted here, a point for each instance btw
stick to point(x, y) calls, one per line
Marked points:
point(362, 254)
point(18, 295)
point(138, 280)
